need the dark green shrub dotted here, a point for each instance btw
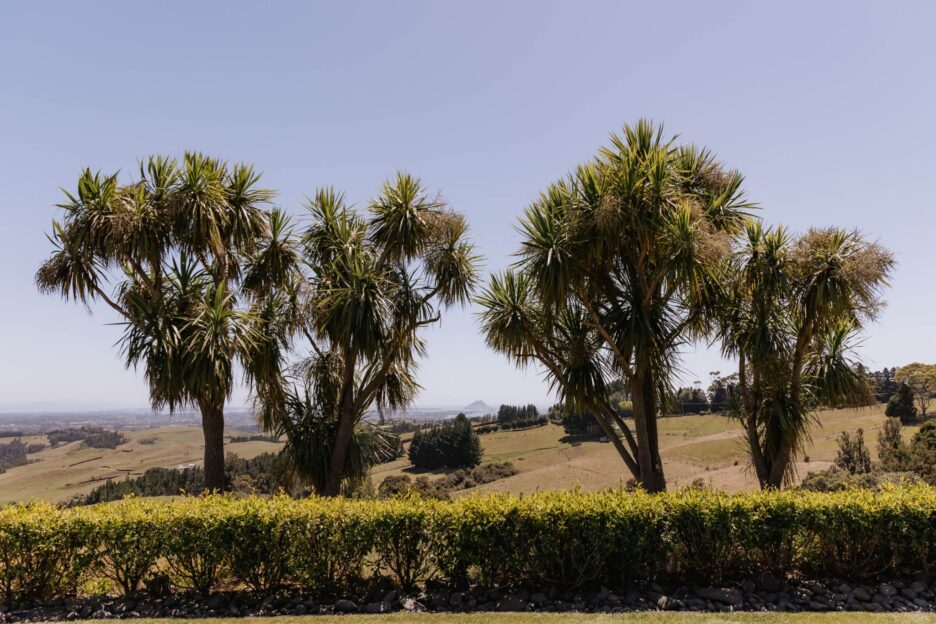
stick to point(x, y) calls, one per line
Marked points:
point(835, 479)
point(893, 453)
point(901, 405)
point(853, 454)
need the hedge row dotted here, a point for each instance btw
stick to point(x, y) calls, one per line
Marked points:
point(324, 545)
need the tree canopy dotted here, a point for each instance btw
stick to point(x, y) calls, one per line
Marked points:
point(360, 289)
point(921, 379)
point(168, 251)
point(615, 268)
point(790, 311)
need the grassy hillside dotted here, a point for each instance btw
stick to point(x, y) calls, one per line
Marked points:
point(59, 473)
point(693, 447)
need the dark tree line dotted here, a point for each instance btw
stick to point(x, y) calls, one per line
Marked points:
point(13, 454)
point(882, 383)
point(105, 439)
point(451, 445)
point(253, 438)
point(690, 401)
point(93, 437)
point(519, 417)
point(583, 422)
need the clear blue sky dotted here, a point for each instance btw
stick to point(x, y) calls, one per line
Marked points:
point(829, 109)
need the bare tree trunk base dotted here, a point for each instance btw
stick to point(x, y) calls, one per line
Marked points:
point(213, 429)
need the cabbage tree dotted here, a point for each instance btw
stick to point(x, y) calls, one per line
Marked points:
point(167, 251)
point(366, 285)
point(626, 248)
point(790, 311)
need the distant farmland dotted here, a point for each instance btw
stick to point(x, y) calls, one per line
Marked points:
point(707, 447)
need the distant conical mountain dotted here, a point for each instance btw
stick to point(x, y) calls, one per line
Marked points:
point(477, 406)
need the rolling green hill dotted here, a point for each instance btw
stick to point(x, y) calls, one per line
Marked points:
point(57, 474)
point(706, 447)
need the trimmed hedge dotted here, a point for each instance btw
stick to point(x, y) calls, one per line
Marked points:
point(326, 545)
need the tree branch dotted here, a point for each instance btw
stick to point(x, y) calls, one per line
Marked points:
point(622, 362)
point(120, 310)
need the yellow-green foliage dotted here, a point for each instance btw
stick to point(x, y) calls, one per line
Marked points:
point(43, 551)
point(324, 545)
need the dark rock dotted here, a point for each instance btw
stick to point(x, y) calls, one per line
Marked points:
point(72, 615)
point(217, 601)
point(456, 599)
point(767, 582)
point(438, 599)
point(538, 599)
point(512, 603)
point(748, 586)
point(886, 589)
point(918, 586)
point(723, 595)
point(299, 609)
point(375, 607)
point(861, 594)
point(344, 605)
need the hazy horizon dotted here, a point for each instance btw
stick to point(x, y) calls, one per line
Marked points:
point(825, 107)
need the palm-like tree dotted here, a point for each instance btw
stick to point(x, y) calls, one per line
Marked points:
point(629, 245)
point(790, 310)
point(310, 432)
point(165, 251)
point(516, 323)
point(366, 286)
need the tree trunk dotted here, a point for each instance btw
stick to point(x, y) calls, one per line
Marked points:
point(213, 428)
point(749, 407)
point(779, 465)
point(339, 454)
point(615, 439)
point(757, 455)
point(645, 422)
